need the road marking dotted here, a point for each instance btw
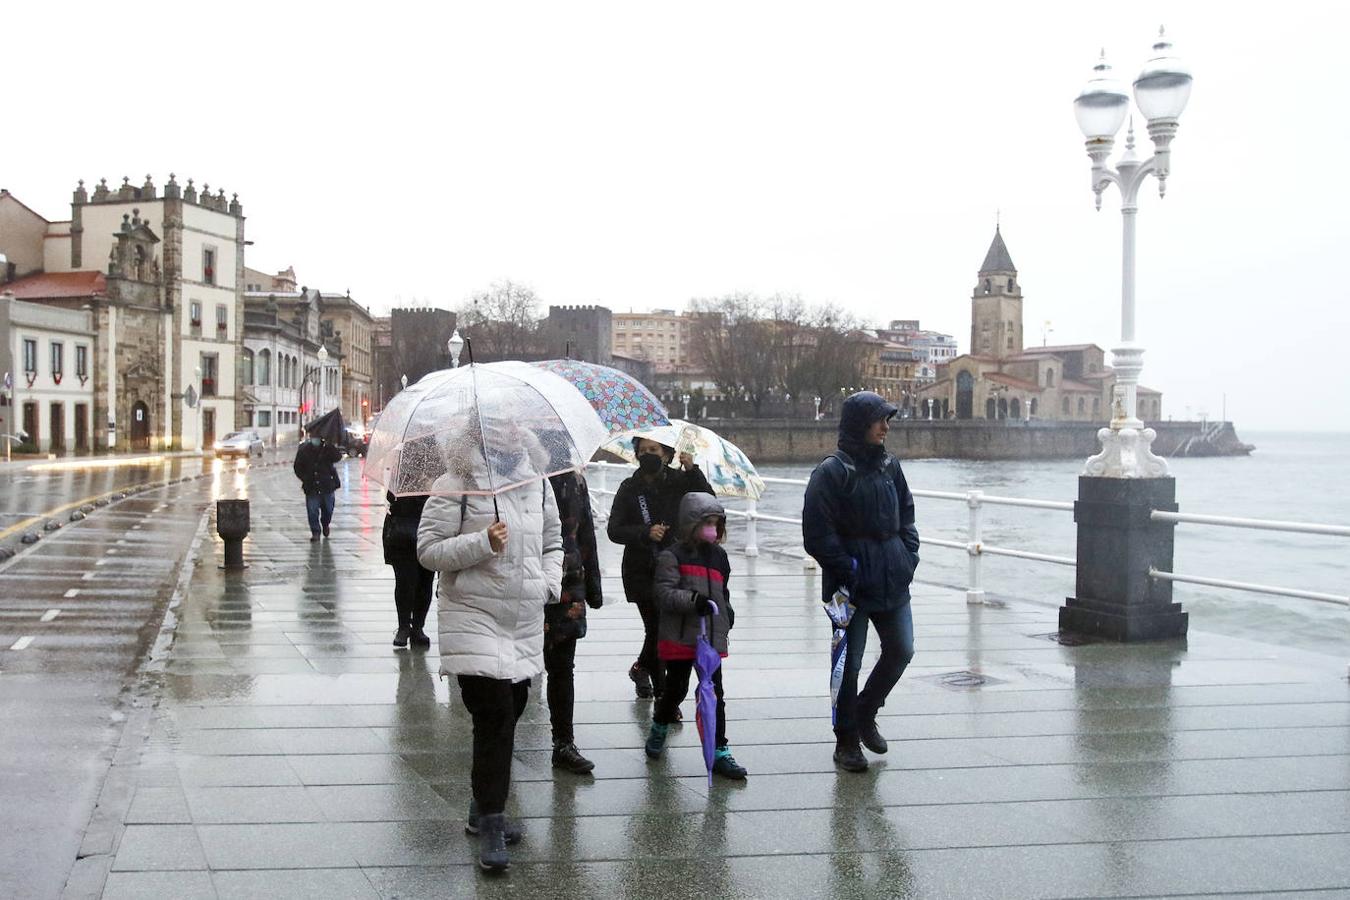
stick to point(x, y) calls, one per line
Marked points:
point(88, 576)
point(109, 552)
point(99, 562)
point(22, 643)
point(49, 615)
point(135, 528)
point(73, 592)
point(121, 542)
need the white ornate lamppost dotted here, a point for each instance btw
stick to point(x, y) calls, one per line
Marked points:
point(455, 345)
point(1160, 93)
point(685, 399)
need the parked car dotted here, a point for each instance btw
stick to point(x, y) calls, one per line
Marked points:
point(240, 443)
point(358, 440)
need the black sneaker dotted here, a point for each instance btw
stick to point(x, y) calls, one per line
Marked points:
point(514, 830)
point(642, 682)
point(567, 756)
point(492, 856)
point(725, 764)
point(418, 638)
point(401, 637)
point(314, 536)
point(871, 738)
point(325, 531)
point(848, 755)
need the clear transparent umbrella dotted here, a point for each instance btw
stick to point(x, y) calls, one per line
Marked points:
point(481, 430)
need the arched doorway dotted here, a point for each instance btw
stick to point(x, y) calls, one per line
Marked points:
point(1016, 408)
point(1003, 407)
point(140, 426)
point(965, 396)
point(991, 408)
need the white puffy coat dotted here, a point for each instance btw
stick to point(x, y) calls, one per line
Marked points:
point(490, 606)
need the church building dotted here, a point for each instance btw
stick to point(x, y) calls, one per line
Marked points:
point(1000, 378)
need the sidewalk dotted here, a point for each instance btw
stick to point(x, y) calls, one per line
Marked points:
point(292, 752)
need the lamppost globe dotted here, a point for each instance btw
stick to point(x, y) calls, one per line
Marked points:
point(1164, 84)
point(1102, 104)
point(323, 356)
point(455, 345)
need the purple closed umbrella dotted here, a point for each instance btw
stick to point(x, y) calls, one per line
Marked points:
point(706, 661)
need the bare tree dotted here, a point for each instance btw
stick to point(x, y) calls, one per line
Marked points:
point(502, 322)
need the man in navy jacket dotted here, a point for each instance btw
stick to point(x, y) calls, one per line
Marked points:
point(858, 524)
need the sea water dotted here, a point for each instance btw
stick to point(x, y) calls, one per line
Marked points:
point(1300, 477)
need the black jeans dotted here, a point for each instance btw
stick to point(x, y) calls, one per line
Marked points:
point(559, 659)
point(495, 705)
point(412, 593)
point(895, 629)
point(647, 659)
point(677, 687)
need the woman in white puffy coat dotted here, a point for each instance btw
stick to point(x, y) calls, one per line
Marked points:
point(495, 577)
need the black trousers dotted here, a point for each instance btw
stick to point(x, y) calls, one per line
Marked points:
point(677, 687)
point(559, 661)
point(495, 705)
point(647, 659)
point(412, 593)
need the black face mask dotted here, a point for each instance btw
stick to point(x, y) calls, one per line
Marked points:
point(650, 463)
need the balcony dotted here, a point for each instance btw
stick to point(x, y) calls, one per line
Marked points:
point(208, 387)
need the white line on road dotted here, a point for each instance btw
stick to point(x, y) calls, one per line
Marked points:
point(109, 552)
point(73, 592)
point(87, 576)
point(49, 615)
point(22, 643)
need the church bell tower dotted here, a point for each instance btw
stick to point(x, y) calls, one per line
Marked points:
point(996, 305)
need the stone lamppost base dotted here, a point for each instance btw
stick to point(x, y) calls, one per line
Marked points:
point(1118, 543)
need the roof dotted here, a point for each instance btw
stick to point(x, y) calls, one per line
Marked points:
point(1010, 381)
point(997, 259)
point(55, 285)
point(1067, 385)
point(1054, 348)
point(5, 193)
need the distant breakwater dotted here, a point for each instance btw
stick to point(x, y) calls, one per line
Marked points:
point(795, 441)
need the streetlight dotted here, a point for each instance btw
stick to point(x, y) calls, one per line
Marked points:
point(454, 345)
point(1160, 93)
point(817, 399)
point(403, 380)
point(685, 399)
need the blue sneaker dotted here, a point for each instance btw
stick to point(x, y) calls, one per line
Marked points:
point(656, 739)
point(725, 764)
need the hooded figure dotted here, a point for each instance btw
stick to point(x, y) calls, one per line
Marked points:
point(858, 524)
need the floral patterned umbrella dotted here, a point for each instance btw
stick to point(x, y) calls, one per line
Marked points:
point(725, 465)
point(620, 400)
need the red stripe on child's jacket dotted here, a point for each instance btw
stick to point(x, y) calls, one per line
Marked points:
point(674, 650)
point(697, 571)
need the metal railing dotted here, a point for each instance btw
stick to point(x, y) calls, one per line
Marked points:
point(976, 549)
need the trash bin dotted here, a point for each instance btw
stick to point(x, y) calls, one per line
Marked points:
point(232, 526)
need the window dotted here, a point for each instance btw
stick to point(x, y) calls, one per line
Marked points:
point(987, 285)
point(264, 369)
point(1064, 406)
point(1050, 377)
point(209, 265)
point(264, 418)
point(30, 355)
point(248, 366)
point(1096, 407)
point(81, 362)
point(222, 319)
point(209, 364)
point(1082, 406)
point(58, 361)
point(195, 313)
point(1010, 285)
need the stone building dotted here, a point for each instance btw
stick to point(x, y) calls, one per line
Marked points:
point(417, 340)
point(384, 378)
point(167, 314)
point(578, 332)
point(1002, 379)
point(662, 337)
point(353, 325)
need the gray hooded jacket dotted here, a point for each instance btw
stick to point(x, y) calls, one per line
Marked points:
point(685, 571)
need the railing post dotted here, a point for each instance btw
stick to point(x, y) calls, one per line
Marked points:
point(975, 585)
point(751, 531)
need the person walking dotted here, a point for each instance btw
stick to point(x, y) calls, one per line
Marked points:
point(858, 524)
point(314, 466)
point(642, 519)
point(412, 582)
point(500, 561)
point(691, 589)
point(565, 620)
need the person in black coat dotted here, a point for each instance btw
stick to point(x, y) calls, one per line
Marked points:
point(565, 618)
point(412, 583)
point(858, 524)
point(643, 518)
point(314, 466)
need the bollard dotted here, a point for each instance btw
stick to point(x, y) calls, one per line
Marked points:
point(975, 582)
point(232, 526)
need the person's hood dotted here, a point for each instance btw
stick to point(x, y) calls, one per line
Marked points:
point(858, 414)
point(694, 508)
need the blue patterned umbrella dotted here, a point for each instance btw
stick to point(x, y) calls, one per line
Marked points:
point(621, 401)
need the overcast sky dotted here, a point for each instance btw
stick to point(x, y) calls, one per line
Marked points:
point(637, 155)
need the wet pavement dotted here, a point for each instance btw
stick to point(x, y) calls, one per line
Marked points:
point(281, 747)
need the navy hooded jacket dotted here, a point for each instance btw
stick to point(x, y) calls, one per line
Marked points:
point(858, 517)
